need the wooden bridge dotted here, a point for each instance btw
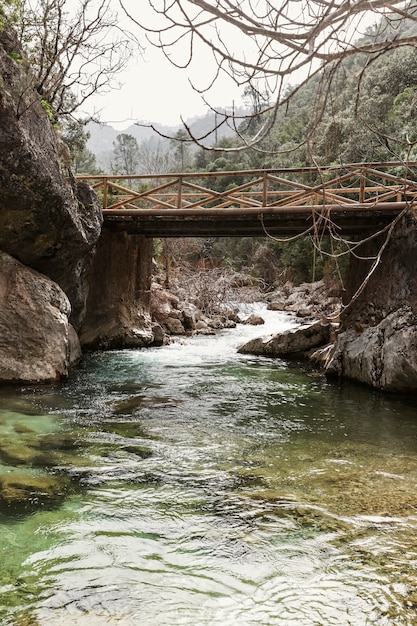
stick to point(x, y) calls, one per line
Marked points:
point(349, 199)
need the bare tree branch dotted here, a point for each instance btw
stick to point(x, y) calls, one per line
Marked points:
point(75, 50)
point(266, 44)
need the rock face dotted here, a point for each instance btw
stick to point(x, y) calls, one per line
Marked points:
point(48, 221)
point(292, 342)
point(377, 342)
point(117, 313)
point(37, 343)
point(383, 356)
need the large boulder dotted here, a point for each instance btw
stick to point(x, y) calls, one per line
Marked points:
point(37, 343)
point(382, 356)
point(48, 220)
point(292, 342)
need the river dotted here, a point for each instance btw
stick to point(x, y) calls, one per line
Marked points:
point(208, 488)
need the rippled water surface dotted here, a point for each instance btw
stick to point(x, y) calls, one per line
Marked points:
point(194, 486)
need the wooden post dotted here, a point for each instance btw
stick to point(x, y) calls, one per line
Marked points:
point(105, 192)
point(362, 187)
point(179, 196)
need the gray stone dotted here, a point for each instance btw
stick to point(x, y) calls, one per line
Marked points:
point(312, 300)
point(158, 334)
point(292, 342)
point(254, 320)
point(75, 352)
point(201, 325)
point(174, 326)
point(48, 220)
point(202, 328)
point(36, 339)
point(189, 318)
point(383, 356)
point(277, 305)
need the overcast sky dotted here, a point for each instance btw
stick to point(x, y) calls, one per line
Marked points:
point(152, 89)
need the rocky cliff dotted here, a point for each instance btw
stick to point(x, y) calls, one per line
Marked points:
point(49, 223)
point(377, 340)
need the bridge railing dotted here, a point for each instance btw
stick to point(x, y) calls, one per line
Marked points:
point(368, 184)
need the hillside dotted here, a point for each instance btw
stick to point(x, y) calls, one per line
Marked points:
point(103, 136)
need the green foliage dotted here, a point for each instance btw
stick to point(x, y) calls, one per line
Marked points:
point(9, 10)
point(16, 57)
point(126, 154)
point(373, 118)
point(84, 162)
point(48, 110)
point(181, 151)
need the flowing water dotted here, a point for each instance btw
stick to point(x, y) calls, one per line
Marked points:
point(192, 486)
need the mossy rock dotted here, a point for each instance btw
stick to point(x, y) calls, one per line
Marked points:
point(126, 407)
point(58, 441)
point(18, 454)
point(141, 451)
point(23, 429)
point(124, 429)
point(23, 492)
point(25, 620)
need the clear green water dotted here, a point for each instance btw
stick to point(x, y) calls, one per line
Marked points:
point(207, 488)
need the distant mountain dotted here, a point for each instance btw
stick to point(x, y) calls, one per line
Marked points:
point(103, 136)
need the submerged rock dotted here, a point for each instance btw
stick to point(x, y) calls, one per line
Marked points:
point(23, 492)
point(30, 448)
point(292, 342)
point(143, 452)
point(18, 454)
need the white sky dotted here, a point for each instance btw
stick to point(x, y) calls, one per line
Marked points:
point(152, 89)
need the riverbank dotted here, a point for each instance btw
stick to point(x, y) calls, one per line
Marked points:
point(204, 302)
point(378, 353)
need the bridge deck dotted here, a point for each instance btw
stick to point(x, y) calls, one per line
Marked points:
point(350, 199)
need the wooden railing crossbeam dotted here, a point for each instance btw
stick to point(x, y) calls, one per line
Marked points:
point(361, 188)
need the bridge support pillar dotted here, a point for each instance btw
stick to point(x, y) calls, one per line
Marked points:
point(117, 312)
